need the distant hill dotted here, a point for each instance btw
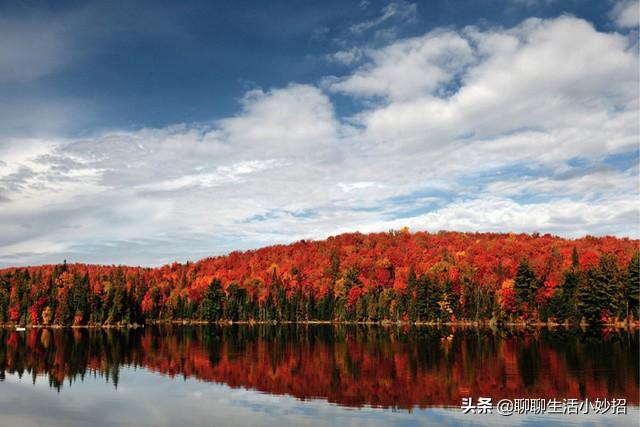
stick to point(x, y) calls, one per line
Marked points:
point(393, 276)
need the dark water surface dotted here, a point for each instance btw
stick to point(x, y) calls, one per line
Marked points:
point(307, 375)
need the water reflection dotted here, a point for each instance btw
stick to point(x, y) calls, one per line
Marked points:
point(351, 366)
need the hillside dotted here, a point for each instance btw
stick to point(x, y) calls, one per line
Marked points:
point(394, 276)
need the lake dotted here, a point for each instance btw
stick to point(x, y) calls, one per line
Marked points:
point(314, 375)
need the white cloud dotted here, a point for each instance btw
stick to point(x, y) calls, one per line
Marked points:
point(223, 175)
point(347, 57)
point(445, 125)
point(409, 68)
point(400, 10)
point(541, 74)
point(626, 13)
point(586, 185)
point(566, 217)
point(293, 118)
point(355, 186)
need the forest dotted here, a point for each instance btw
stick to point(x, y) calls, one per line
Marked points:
point(396, 276)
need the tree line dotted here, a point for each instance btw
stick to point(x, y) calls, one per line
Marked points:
point(78, 295)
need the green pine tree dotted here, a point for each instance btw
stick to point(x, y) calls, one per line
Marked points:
point(422, 302)
point(632, 287)
point(526, 287)
point(212, 301)
point(601, 291)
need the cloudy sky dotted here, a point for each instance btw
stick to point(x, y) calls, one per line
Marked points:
point(140, 134)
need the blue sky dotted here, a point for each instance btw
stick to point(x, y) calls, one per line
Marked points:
point(141, 133)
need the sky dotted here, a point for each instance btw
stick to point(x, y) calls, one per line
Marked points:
point(142, 132)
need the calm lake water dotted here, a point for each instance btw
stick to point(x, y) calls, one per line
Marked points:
point(318, 375)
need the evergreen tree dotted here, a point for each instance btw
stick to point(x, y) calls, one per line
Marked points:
point(421, 301)
point(600, 293)
point(234, 303)
point(570, 286)
point(212, 301)
point(435, 295)
point(575, 259)
point(632, 287)
point(179, 309)
point(525, 286)
point(325, 307)
point(553, 307)
point(281, 296)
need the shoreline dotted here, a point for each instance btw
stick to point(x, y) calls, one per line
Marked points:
point(491, 324)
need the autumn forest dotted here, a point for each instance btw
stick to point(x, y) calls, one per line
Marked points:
point(398, 276)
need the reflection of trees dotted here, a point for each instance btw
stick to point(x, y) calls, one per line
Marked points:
point(528, 361)
point(349, 365)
